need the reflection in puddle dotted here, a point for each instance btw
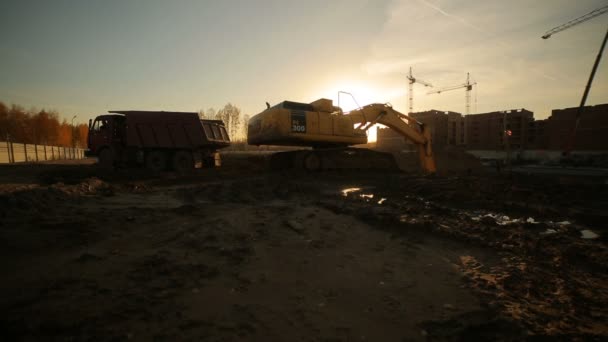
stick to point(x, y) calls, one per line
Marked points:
point(504, 220)
point(348, 191)
point(588, 234)
point(382, 200)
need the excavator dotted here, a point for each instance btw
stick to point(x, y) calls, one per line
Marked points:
point(330, 132)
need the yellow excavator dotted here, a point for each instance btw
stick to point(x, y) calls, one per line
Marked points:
point(330, 132)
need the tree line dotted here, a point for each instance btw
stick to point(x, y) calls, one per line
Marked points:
point(235, 121)
point(42, 127)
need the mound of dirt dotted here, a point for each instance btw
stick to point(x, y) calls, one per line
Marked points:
point(455, 160)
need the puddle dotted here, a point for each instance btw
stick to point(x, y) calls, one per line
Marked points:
point(501, 220)
point(549, 231)
point(588, 234)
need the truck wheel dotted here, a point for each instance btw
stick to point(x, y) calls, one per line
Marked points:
point(106, 158)
point(156, 161)
point(183, 161)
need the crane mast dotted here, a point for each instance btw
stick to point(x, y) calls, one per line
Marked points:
point(413, 80)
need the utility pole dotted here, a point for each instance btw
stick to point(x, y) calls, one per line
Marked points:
point(73, 139)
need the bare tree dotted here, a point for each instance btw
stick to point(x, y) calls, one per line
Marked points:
point(245, 126)
point(231, 115)
point(207, 114)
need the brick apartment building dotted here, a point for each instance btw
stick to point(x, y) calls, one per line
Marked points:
point(389, 140)
point(486, 131)
point(537, 135)
point(592, 132)
point(447, 128)
point(456, 129)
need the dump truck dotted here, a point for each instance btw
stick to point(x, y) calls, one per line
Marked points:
point(329, 133)
point(157, 140)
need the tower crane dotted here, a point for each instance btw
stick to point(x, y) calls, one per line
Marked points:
point(576, 21)
point(468, 86)
point(565, 26)
point(413, 80)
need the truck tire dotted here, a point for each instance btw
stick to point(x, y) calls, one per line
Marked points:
point(183, 161)
point(106, 158)
point(156, 161)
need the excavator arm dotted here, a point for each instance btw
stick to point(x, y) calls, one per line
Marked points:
point(411, 129)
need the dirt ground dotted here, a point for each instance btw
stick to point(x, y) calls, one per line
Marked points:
point(241, 253)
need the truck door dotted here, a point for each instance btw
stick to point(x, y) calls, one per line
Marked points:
point(100, 134)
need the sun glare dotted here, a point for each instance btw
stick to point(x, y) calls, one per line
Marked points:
point(362, 94)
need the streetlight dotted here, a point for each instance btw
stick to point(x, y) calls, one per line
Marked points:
point(73, 140)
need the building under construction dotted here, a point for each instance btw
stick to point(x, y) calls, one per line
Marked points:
point(513, 130)
point(447, 128)
point(487, 131)
point(591, 134)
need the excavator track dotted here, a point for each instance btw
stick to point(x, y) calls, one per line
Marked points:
point(333, 159)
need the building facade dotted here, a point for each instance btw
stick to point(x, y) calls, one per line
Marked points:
point(389, 140)
point(447, 128)
point(591, 134)
point(486, 131)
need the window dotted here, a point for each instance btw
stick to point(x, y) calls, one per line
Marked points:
point(208, 132)
point(216, 132)
point(101, 125)
point(224, 134)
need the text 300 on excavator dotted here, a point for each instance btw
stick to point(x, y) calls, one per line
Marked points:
point(330, 132)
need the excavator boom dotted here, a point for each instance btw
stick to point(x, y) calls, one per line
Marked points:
point(411, 129)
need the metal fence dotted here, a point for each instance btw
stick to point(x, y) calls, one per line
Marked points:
point(12, 152)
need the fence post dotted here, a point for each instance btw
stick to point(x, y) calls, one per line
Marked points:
point(25, 151)
point(8, 150)
point(12, 152)
point(44, 147)
point(36, 151)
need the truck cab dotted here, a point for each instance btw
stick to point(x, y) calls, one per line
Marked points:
point(105, 132)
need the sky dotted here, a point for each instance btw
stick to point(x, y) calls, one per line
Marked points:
point(85, 57)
